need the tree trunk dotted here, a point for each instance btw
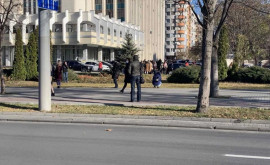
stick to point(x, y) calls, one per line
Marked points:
point(208, 33)
point(3, 90)
point(214, 89)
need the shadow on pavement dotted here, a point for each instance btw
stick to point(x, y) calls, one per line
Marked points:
point(16, 106)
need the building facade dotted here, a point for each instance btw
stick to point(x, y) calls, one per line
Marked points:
point(93, 29)
point(180, 28)
point(149, 15)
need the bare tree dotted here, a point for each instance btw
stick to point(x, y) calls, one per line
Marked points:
point(7, 7)
point(206, 12)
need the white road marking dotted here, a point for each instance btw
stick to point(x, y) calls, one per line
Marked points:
point(247, 156)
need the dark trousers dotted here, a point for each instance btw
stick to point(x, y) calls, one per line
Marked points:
point(58, 82)
point(124, 87)
point(135, 79)
point(115, 83)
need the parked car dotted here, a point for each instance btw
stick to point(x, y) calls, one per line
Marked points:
point(173, 66)
point(94, 66)
point(78, 66)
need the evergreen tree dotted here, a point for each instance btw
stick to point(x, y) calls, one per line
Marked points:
point(31, 58)
point(223, 48)
point(241, 52)
point(19, 72)
point(128, 50)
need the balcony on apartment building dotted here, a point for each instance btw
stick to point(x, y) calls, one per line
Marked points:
point(181, 17)
point(181, 39)
point(181, 31)
point(181, 46)
point(181, 24)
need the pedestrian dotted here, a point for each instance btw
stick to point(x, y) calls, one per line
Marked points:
point(151, 67)
point(148, 70)
point(65, 72)
point(165, 67)
point(186, 64)
point(58, 73)
point(127, 75)
point(52, 77)
point(135, 70)
point(115, 73)
point(100, 66)
point(156, 81)
point(159, 62)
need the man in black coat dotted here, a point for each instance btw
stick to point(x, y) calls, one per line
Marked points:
point(135, 72)
point(115, 73)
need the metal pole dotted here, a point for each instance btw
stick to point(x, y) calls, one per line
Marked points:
point(44, 61)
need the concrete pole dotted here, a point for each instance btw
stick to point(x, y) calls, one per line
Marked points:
point(112, 54)
point(44, 61)
point(100, 54)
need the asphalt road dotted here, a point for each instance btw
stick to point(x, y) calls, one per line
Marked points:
point(150, 96)
point(78, 144)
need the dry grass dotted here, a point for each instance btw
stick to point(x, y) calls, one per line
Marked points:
point(225, 85)
point(172, 111)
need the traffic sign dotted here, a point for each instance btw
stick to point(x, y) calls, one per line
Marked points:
point(49, 4)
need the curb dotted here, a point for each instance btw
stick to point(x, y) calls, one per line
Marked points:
point(203, 123)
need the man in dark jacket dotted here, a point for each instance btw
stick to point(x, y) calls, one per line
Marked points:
point(115, 73)
point(135, 72)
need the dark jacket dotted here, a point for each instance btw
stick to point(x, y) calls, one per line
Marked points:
point(135, 68)
point(65, 68)
point(116, 70)
point(58, 72)
point(127, 75)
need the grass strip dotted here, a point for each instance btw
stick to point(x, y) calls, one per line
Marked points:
point(223, 85)
point(170, 111)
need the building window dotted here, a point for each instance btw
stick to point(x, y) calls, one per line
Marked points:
point(109, 8)
point(168, 5)
point(98, 6)
point(71, 28)
point(114, 32)
point(168, 13)
point(57, 27)
point(109, 31)
point(168, 20)
point(121, 10)
point(121, 34)
point(168, 42)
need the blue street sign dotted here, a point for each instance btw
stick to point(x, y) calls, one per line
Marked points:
point(49, 4)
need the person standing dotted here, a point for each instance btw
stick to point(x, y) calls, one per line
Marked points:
point(58, 73)
point(127, 75)
point(52, 77)
point(115, 73)
point(135, 71)
point(65, 72)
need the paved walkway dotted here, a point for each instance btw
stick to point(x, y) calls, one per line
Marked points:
point(150, 96)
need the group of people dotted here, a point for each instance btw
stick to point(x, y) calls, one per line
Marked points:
point(150, 66)
point(133, 74)
point(58, 72)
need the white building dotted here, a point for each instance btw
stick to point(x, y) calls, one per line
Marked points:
point(93, 29)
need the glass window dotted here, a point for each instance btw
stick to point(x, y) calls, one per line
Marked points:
point(98, 6)
point(109, 8)
point(121, 10)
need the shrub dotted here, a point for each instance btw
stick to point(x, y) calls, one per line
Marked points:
point(72, 76)
point(185, 75)
point(251, 75)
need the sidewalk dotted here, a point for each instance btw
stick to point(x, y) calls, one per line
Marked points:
point(187, 122)
point(150, 96)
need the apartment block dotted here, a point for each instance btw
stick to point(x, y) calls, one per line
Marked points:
point(180, 28)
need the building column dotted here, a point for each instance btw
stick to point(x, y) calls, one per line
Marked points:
point(85, 53)
point(126, 11)
point(112, 55)
point(104, 7)
point(115, 9)
point(100, 54)
point(58, 53)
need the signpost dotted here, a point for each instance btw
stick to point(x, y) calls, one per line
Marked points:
point(44, 53)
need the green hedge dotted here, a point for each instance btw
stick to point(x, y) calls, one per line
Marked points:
point(189, 74)
point(250, 75)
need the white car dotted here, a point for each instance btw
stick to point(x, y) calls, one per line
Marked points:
point(94, 65)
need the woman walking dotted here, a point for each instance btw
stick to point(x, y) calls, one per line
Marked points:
point(58, 73)
point(127, 75)
point(65, 72)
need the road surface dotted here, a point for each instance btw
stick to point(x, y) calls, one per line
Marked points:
point(79, 144)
